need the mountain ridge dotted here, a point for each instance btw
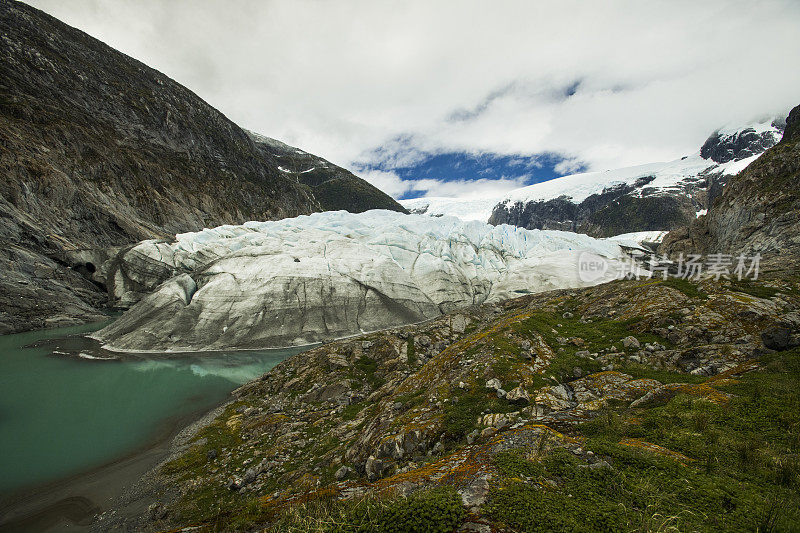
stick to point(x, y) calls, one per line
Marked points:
point(757, 210)
point(650, 197)
point(101, 151)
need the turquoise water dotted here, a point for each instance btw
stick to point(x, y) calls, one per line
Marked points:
point(60, 415)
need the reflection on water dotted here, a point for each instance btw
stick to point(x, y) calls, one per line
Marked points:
point(65, 406)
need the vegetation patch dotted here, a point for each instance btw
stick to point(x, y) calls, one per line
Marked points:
point(686, 287)
point(759, 290)
point(688, 465)
point(462, 412)
point(597, 335)
point(369, 367)
point(437, 510)
point(352, 410)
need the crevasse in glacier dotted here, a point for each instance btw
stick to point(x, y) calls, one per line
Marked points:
point(334, 274)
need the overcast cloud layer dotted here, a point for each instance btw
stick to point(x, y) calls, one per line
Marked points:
point(602, 84)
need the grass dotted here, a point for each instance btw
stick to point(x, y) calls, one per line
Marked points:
point(411, 352)
point(351, 411)
point(437, 510)
point(598, 335)
point(462, 413)
point(752, 288)
point(741, 470)
point(686, 287)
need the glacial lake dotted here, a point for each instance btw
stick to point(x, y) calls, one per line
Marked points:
point(61, 415)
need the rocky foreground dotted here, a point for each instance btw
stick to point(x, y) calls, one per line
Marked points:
point(644, 405)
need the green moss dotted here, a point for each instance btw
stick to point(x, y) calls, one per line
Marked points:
point(411, 399)
point(369, 367)
point(753, 288)
point(462, 413)
point(437, 510)
point(686, 287)
point(641, 371)
point(352, 410)
point(412, 352)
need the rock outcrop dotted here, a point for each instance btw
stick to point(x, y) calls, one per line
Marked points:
point(618, 209)
point(735, 146)
point(99, 151)
point(329, 275)
point(757, 211)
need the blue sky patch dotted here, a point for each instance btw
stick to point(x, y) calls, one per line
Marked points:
point(463, 166)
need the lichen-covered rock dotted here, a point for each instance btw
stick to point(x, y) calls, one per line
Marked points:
point(518, 395)
point(631, 342)
point(493, 384)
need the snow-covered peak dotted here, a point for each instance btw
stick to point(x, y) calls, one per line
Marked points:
point(665, 176)
point(734, 144)
point(739, 146)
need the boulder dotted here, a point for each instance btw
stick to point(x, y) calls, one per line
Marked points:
point(493, 384)
point(474, 495)
point(777, 338)
point(518, 395)
point(631, 342)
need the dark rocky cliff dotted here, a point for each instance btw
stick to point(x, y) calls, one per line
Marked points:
point(98, 150)
point(614, 211)
point(639, 206)
point(757, 210)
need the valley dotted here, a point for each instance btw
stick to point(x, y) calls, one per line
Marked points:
point(206, 329)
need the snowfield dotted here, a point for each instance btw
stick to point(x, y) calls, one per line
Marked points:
point(329, 275)
point(578, 187)
point(637, 238)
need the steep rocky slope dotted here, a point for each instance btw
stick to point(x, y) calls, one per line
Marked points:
point(758, 209)
point(334, 187)
point(547, 412)
point(99, 150)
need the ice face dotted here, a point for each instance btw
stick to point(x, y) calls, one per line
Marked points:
point(333, 274)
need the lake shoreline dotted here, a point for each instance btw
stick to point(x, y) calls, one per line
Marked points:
point(109, 491)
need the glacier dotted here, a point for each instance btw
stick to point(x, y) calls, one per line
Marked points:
point(330, 275)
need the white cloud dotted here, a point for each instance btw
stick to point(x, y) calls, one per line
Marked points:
point(388, 182)
point(568, 166)
point(467, 189)
point(395, 186)
point(650, 79)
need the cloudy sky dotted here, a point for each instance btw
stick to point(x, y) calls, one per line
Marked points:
point(463, 98)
